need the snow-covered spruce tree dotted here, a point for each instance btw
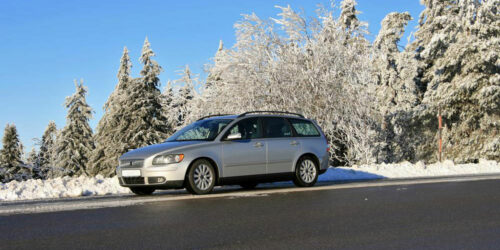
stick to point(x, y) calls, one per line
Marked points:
point(75, 142)
point(33, 162)
point(457, 48)
point(397, 92)
point(46, 154)
point(388, 60)
point(183, 104)
point(104, 158)
point(143, 121)
point(319, 68)
point(349, 21)
point(210, 90)
point(168, 104)
point(213, 76)
point(10, 154)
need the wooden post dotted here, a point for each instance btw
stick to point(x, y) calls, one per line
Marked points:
point(440, 134)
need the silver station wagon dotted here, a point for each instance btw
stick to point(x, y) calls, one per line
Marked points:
point(247, 149)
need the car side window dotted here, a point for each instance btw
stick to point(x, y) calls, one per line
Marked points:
point(304, 127)
point(275, 127)
point(248, 128)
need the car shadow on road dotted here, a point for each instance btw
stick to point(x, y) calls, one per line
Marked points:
point(332, 176)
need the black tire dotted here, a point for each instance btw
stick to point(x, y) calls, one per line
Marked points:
point(309, 176)
point(201, 177)
point(142, 190)
point(249, 185)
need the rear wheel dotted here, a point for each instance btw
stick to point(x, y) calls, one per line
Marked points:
point(306, 172)
point(142, 190)
point(201, 177)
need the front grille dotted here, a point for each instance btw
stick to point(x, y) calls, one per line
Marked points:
point(133, 180)
point(131, 163)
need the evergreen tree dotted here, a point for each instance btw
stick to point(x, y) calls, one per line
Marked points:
point(184, 97)
point(34, 164)
point(104, 157)
point(75, 142)
point(168, 107)
point(143, 120)
point(396, 89)
point(10, 154)
point(46, 155)
point(349, 21)
point(214, 76)
point(457, 46)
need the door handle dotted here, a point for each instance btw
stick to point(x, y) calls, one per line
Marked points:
point(258, 144)
point(294, 143)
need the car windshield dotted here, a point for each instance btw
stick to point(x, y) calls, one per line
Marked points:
point(204, 130)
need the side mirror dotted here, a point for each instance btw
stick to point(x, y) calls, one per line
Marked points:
point(234, 136)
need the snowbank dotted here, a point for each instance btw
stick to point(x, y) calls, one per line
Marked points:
point(409, 170)
point(60, 187)
point(86, 186)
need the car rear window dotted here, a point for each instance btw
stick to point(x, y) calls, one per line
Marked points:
point(304, 127)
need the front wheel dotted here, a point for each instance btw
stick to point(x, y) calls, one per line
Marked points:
point(306, 172)
point(142, 190)
point(201, 177)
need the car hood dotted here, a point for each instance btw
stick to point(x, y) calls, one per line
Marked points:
point(142, 153)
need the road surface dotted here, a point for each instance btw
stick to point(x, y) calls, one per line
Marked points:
point(448, 215)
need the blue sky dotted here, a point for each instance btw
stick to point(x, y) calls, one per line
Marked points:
point(45, 45)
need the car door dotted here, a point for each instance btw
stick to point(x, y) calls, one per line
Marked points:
point(282, 147)
point(247, 155)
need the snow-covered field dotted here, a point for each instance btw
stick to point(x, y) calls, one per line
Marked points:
point(85, 186)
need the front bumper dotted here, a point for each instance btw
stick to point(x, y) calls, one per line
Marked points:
point(160, 177)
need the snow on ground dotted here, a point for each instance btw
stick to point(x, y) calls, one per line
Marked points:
point(91, 186)
point(60, 187)
point(409, 170)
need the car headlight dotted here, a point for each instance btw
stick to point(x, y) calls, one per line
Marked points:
point(167, 159)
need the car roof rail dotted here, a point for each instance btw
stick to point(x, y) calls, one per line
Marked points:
point(270, 111)
point(208, 116)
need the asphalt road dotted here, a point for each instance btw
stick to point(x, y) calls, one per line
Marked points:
point(451, 215)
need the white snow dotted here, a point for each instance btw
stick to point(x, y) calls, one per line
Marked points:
point(60, 187)
point(409, 170)
point(92, 186)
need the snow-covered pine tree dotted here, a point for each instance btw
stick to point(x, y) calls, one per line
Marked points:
point(182, 103)
point(10, 154)
point(396, 89)
point(144, 122)
point(386, 53)
point(214, 76)
point(349, 21)
point(457, 48)
point(75, 142)
point(33, 162)
point(104, 158)
point(46, 154)
point(167, 99)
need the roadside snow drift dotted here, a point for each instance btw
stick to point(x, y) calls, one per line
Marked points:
point(88, 186)
point(409, 170)
point(60, 187)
